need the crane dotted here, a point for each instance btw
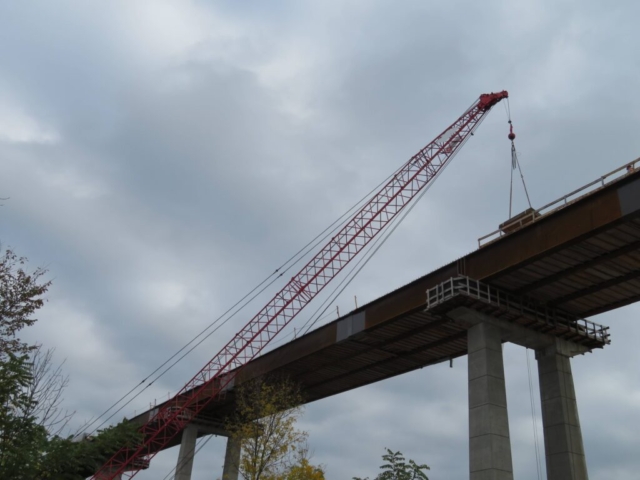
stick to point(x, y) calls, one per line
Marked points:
point(219, 373)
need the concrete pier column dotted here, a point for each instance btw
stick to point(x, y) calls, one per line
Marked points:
point(564, 450)
point(232, 459)
point(489, 442)
point(187, 451)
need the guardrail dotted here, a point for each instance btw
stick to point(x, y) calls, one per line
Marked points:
point(564, 201)
point(521, 305)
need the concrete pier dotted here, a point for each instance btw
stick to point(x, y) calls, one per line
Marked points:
point(232, 459)
point(489, 441)
point(564, 450)
point(187, 451)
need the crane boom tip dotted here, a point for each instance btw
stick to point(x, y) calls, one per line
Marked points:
point(488, 100)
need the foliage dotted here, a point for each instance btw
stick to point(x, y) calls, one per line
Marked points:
point(397, 468)
point(20, 296)
point(21, 438)
point(304, 471)
point(65, 459)
point(264, 424)
point(31, 393)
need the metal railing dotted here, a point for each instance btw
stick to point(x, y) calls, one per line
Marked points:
point(158, 414)
point(564, 201)
point(522, 306)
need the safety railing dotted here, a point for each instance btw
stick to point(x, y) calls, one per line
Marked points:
point(519, 305)
point(163, 415)
point(140, 463)
point(564, 201)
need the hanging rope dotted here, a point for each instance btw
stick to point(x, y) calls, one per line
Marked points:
point(514, 158)
point(514, 163)
point(536, 439)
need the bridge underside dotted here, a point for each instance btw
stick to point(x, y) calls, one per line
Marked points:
point(578, 261)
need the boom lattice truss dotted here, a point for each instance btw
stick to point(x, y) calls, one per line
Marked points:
point(216, 375)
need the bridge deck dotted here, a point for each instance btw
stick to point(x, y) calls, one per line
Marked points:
point(582, 259)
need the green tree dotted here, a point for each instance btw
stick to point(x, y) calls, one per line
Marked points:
point(303, 470)
point(397, 468)
point(21, 294)
point(21, 438)
point(264, 423)
point(31, 389)
point(64, 459)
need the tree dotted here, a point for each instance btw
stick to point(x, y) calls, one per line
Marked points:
point(20, 296)
point(397, 468)
point(264, 425)
point(45, 390)
point(303, 470)
point(21, 437)
point(31, 417)
point(65, 459)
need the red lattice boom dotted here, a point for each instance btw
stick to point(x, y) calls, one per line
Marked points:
point(203, 388)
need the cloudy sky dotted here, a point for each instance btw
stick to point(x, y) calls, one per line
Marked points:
point(163, 157)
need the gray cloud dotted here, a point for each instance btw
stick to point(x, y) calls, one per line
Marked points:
point(164, 157)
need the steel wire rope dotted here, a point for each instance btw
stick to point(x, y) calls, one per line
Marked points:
point(305, 254)
point(301, 253)
point(308, 249)
point(371, 252)
point(290, 334)
point(178, 360)
point(388, 233)
point(536, 439)
point(171, 358)
point(514, 161)
point(382, 239)
point(524, 185)
point(377, 239)
point(192, 348)
point(373, 249)
point(385, 237)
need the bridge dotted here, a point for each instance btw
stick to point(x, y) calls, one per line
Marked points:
point(534, 282)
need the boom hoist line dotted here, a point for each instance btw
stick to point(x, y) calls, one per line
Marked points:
point(218, 375)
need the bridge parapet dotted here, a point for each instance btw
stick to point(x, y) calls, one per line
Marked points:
point(533, 215)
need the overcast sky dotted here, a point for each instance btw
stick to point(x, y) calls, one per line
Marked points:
point(163, 157)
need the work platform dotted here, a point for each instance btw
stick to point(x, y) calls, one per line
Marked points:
point(572, 259)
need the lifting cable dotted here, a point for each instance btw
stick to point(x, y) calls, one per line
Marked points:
point(302, 253)
point(146, 379)
point(278, 273)
point(514, 162)
point(534, 420)
point(356, 268)
point(333, 296)
point(372, 250)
